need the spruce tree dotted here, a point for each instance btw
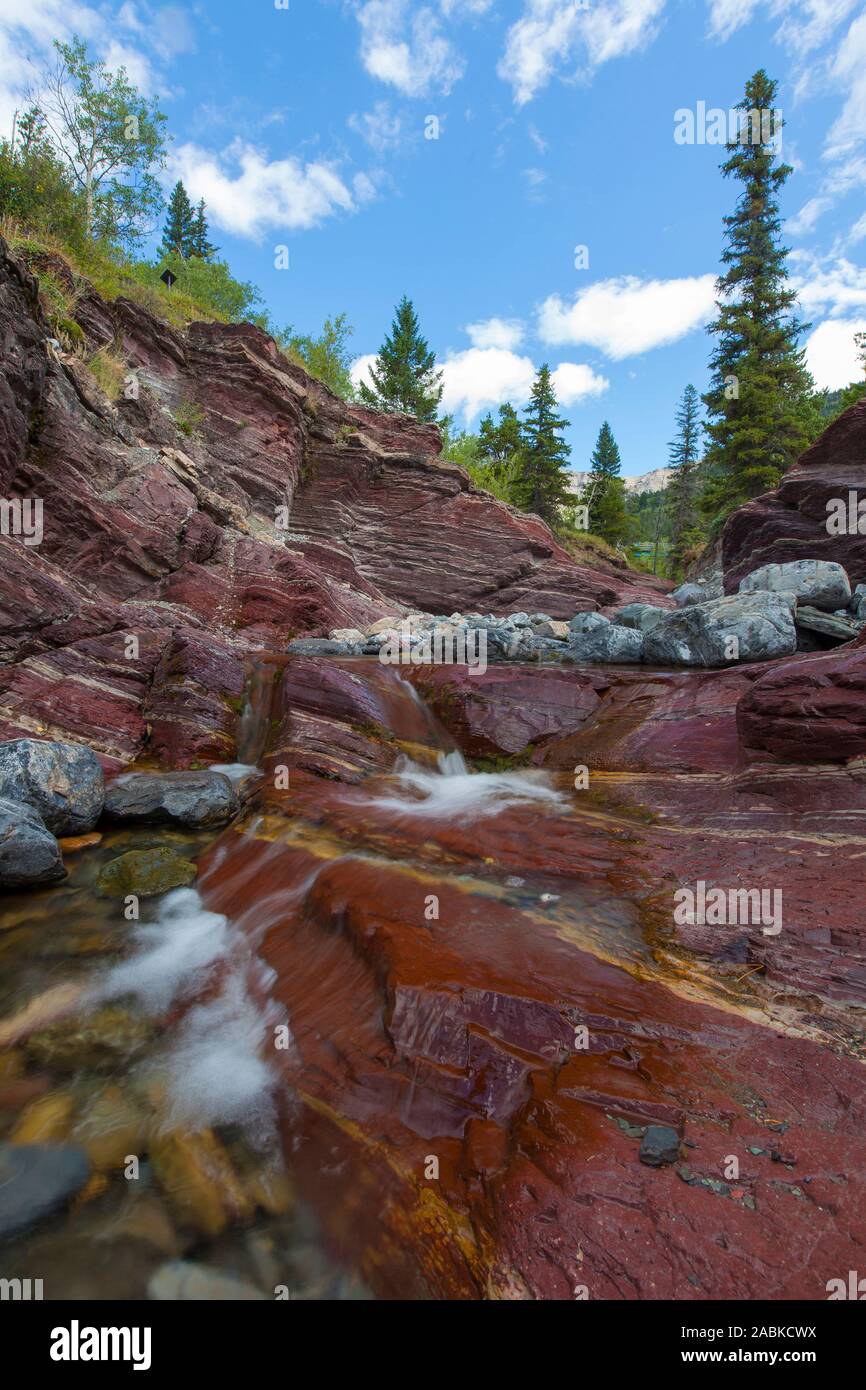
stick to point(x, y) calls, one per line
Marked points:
point(541, 482)
point(177, 232)
point(759, 400)
point(605, 490)
point(199, 242)
point(404, 377)
point(684, 453)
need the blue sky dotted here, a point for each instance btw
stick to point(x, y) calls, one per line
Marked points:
point(305, 126)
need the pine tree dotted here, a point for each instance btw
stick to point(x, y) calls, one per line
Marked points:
point(199, 242)
point(404, 377)
point(605, 490)
point(541, 469)
point(177, 232)
point(759, 400)
point(684, 454)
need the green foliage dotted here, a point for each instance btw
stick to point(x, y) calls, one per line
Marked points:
point(209, 284)
point(404, 377)
point(109, 369)
point(189, 418)
point(684, 454)
point(110, 139)
point(760, 400)
point(34, 186)
point(466, 450)
point(605, 494)
point(541, 478)
point(326, 356)
point(200, 243)
point(185, 232)
point(177, 231)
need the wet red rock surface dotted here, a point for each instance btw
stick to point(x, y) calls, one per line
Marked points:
point(447, 1033)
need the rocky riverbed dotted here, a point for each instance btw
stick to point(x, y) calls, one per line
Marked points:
point(334, 967)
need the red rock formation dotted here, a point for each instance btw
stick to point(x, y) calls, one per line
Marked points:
point(451, 1035)
point(809, 709)
point(161, 522)
point(791, 523)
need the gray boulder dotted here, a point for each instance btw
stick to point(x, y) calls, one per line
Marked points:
point(194, 799)
point(700, 635)
point(62, 781)
point(36, 1179)
point(29, 852)
point(840, 629)
point(552, 628)
point(610, 643)
point(641, 616)
point(586, 622)
point(858, 603)
point(322, 646)
point(818, 583)
point(687, 594)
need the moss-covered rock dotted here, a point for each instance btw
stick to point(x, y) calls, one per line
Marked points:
point(145, 872)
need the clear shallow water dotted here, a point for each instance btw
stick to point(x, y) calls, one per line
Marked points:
point(170, 1045)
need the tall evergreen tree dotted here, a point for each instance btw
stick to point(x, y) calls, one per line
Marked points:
point(541, 470)
point(177, 232)
point(199, 235)
point(605, 490)
point(759, 400)
point(404, 377)
point(684, 454)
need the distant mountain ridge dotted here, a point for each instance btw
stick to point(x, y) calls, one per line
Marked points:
point(653, 481)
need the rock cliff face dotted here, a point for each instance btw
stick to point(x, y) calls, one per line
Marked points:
point(225, 503)
point(791, 523)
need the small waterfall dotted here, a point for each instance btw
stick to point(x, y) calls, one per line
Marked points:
point(453, 792)
point(259, 708)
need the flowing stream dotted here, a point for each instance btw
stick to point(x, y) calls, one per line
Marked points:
point(177, 1065)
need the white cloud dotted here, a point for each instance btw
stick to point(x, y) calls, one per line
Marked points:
point(726, 16)
point(849, 70)
point(495, 333)
point(248, 194)
point(551, 34)
point(360, 369)
point(833, 287)
point(808, 215)
point(831, 355)
point(478, 379)
point(409, 51)
point(381, 128)
point(28, 30)
point(572, 381)
point(627, 315)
